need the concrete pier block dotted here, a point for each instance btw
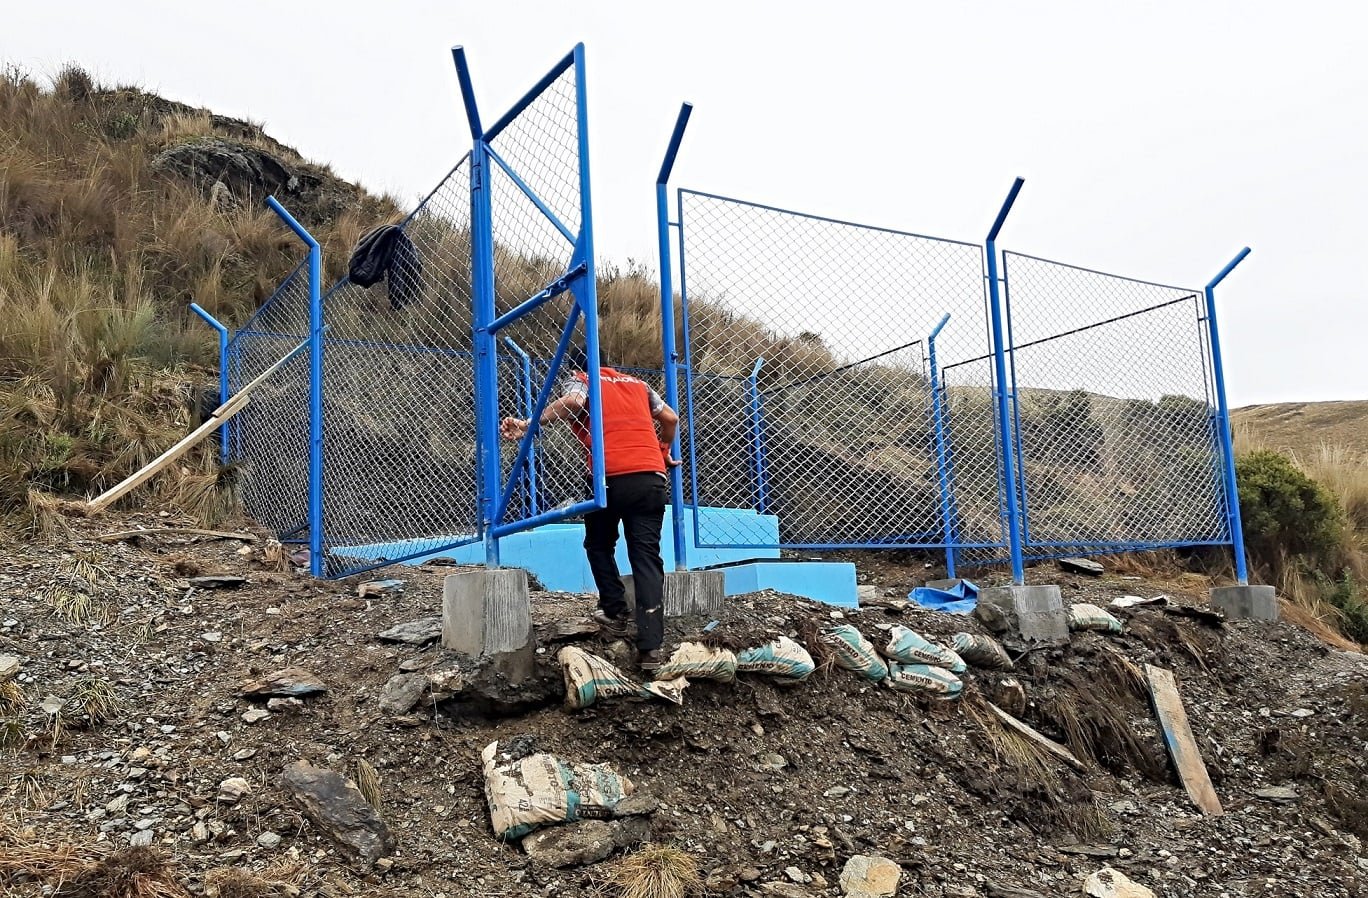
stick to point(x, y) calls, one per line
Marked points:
point(694, 593)
point(1246, 602)
point(488, 614)
point(1033, 614)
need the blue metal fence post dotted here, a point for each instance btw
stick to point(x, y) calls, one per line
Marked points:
point(316, 566)
point(483, 314)
point(669, 347)
point(587, 294)
point(758, 437)
point(942, 456)
point(1004, 419)
point(1232, 493)
point(223, 373)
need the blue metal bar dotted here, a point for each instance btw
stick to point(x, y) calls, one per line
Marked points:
point(573, 57)
point(417, 552)
point(669, 350)
point(467, 92)
point(316, 567)
point(547, 517)
point(942, 456)
point(1000, 375)
point(483, 313)
point(758, 436)
point(529, 403)
point(534, 418)
point(923, 544)
point(531, 195)
point(1232, 493)
point(836, 221)
point(532, 303)
point(213, 322)
point(587, 293)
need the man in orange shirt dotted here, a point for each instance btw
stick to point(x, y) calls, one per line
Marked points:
point(636, 459)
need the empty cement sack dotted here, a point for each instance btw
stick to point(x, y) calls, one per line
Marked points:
point(533, 790)
point(1089, 617)
point(981, 651)
point(937, 681)
point(783, 658)
point(854, 652)
point(699, 662)
point(589, 678)
point(910, 647)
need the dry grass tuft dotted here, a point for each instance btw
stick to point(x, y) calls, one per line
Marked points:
point(656, 871)
point(96, 700)
point(1320, 619)
point(287, 879)
point(368, 782)
point(12, 698)
point(75, 871)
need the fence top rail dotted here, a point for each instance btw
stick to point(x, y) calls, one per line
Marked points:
point(526, 100)
point(1105, 274)
point(836, 221)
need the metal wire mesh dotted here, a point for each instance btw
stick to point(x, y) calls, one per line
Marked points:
point(1114, 423)
point(269, 439)
point(398, 397)
point(537, 220)
point(832, 431)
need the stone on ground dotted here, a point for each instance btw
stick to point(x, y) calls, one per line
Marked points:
point(585, 842)
point(9, 667)
point(1110, 883)
point(414, 632)
point(337, 807)
point(289, 682)
point(403, 692)
point(869, 877)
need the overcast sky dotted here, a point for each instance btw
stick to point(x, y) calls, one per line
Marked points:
point(1155, 138)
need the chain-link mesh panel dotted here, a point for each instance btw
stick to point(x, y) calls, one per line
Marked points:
point(833, 432)
point(1115, 437)
point(398, 397)
point(269, 439)
point(973, 469)
point(537, 218)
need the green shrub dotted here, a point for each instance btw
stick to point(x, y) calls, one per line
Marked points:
point(1287, 514)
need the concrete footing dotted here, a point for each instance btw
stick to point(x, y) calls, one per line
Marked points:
point(488, 615)
point(1033, 614)
point(694, 593)
point(1246, 602)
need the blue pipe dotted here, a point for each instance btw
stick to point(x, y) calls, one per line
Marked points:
point(483, 314)
point(942, 456)
point(758, 437)
point(315, 386)
point(587, 294)
point(223, 373)
point(669, 347)
point(1232, 493)
point(528, 401)
point(1000, 375)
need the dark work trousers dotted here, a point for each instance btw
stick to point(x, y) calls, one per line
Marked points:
point(638, 501)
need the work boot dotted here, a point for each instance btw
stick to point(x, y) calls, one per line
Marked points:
point(652, 660)
point(612, 626)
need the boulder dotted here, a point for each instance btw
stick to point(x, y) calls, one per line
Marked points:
point(586, 841)
point(334, 804)
point(869, 877)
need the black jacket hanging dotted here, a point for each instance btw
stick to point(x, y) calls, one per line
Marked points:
point(387, 251)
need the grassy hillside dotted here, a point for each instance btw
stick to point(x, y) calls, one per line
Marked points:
point(117, 208)
point(1301, 428)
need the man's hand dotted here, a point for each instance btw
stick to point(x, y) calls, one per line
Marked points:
point(670, 461)
point(513, 428)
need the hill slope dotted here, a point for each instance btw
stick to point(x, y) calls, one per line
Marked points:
point(1303, 427)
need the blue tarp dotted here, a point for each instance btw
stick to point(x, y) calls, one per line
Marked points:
point(958, 599)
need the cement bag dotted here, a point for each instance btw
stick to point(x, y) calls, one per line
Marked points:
point(908, 647)
point(937, 681)
point(782, 658)
point(854, 652)
point(699, 662)
point(589, 678)
point(540, 789)
point(1090, 617)
point(981, 651)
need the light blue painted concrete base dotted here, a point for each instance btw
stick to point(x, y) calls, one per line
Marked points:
point(823, 581)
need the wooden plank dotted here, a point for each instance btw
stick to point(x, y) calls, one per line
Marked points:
point(1182, 748)
point(1039, 738)
point(216, 419)
point(122, 535)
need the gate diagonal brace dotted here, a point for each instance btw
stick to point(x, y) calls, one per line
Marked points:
point(548, 293)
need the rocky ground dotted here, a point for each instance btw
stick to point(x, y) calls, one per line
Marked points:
point(127, 739)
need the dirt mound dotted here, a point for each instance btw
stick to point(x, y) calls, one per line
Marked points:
point(129, 730)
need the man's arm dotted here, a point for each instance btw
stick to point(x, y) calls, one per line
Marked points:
point(569, 406)
point(669, 426)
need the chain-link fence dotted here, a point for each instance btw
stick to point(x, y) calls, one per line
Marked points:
point(807, 394)
point(1114, 442)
